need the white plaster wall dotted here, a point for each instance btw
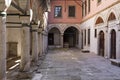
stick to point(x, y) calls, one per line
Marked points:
point(14, 35)
point(90, 23)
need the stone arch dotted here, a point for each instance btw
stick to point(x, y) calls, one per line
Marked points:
point(99, 20)
point(71, 37)
point(54, 36)
point(54, 26)
point(67, 26)
point(112, 15)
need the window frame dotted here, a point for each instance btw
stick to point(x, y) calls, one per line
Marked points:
point(74, 9)
point(89, 6)
point(99, 2)
point(55, 11)
point(89, 36)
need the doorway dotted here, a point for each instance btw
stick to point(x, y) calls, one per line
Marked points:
point(50, 39)
point(101, 44)
point(113, 45)
point(71, 37)
point(54, 37)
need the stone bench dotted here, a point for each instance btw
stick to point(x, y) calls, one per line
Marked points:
point(115, 62)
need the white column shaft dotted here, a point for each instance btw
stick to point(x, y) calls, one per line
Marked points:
point(34, 46)
point(25, 55)
point(2, 48)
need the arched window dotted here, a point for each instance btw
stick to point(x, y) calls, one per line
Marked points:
point(99, 20)
point(111, 17)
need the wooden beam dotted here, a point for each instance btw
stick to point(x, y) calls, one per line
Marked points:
point(18, 8)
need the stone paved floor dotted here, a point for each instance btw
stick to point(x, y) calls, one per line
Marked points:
point(64, 64)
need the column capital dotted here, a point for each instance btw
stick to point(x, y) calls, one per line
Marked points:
point(25, 19)
point(25, 25)
point(3, 14)
point(34, 27)
point(40, 30)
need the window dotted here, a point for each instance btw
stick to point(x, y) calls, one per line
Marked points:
point(95, 33)
point(88, 36)
point(71, 12)
point(88, 5)
point(85, 37)
point(58, 12)
point(98, 1)
point(85, 8)
point(82, 10)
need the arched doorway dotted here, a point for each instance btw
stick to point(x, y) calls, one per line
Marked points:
point(54, 37)
point(71, 37)
point(101, 44)
point(113, 45)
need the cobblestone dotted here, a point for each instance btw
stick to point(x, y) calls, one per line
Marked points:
point(72, 64)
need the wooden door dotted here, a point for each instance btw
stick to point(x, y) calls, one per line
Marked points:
point(113, 45)
point(101, 43)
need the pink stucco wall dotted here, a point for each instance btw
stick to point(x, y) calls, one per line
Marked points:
point(96, 8)
point(65, 18)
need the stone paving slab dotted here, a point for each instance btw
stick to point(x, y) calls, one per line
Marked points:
point(72, 64)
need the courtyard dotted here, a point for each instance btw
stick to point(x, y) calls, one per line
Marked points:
point(72, 64)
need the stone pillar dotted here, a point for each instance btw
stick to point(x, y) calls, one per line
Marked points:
point(61, 40)
point(44, 43)
point(40, 41)
point(107, 45)
point(34, 43)
point(79, 40)
point(25, 55)
point(41, 44)
point(3, 46)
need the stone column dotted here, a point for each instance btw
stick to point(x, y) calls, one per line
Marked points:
point(61, 40)
point(40, 41)
point(79, 40)
point(3, 46)
point(34, 43)
point(41, 44)
point(25, 55)
point(107, 44)
point(46, 41)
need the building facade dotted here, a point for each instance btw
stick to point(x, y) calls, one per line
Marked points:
point(91, 25)
point(103, 22)
point(28, 28)
point(64, 18)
